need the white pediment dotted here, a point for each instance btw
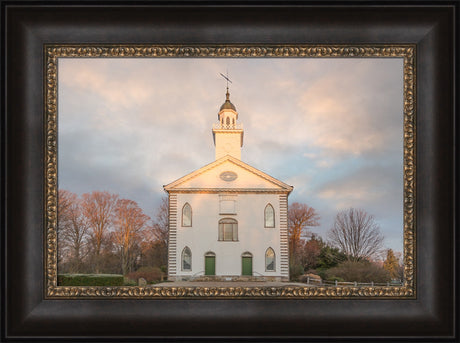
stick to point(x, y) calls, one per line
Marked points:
point(228, 173)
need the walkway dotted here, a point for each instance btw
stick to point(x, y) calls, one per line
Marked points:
point(229, 284)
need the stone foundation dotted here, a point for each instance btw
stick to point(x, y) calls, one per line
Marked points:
point(230, 278)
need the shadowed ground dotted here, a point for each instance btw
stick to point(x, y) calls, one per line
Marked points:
point(228, 284)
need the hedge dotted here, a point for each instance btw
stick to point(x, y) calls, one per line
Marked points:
point(90, 280)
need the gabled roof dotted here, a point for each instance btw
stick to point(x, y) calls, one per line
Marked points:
point(209, 178)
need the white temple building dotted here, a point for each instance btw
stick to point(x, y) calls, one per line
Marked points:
point(228, 220)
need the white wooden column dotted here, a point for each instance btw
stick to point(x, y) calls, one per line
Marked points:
point(284, 243)
point(172, 241)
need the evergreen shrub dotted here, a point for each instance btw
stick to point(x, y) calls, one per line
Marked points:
point(362, 271)
point(90, 280)
point(295, 271)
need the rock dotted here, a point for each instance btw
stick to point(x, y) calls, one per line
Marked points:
point(142, 282)
point(314, 276)
point(310, 278)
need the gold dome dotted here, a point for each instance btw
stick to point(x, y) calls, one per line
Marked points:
point(227, 105)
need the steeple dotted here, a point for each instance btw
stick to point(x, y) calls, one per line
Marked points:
point(227, 104)
point(227, 133)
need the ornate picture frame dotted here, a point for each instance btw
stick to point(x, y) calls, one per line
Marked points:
point(406, 52)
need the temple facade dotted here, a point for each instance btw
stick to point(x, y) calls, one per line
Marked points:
point(228, 220)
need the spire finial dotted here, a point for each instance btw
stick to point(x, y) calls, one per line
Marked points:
point(228, 80)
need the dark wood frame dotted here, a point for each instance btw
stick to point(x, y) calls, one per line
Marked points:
point(29, 25)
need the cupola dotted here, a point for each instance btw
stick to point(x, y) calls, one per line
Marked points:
point(227, 133)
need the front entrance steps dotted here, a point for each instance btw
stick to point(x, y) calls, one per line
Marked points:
point(219, 278)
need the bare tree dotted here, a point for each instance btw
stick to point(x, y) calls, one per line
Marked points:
point(129, 222)
point(356, 234)
point(161, 222)
point(155, 249)
point(98, 209)
point(300, 218)
point(72, 229)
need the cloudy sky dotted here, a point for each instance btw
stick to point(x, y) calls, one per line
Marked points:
point(330, 127)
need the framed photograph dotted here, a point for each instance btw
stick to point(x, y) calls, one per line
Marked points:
point(249, 245)
point(158, 170)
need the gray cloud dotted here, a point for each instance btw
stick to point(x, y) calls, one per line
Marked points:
point(332, 128)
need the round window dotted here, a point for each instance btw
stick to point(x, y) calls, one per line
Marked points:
point(228, 176)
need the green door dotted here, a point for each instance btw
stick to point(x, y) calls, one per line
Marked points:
point(247, 265)
point(209, 265)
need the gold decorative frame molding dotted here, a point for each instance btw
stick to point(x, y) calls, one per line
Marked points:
point(53, 52)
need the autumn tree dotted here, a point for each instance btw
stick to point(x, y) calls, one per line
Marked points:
point(310, 253)
point(400, 258)
point(98, 208)
point(301, 217)
point(72, 229)
point(356, 234)
point(391, 264)
point(130, 223)
point(63, 205)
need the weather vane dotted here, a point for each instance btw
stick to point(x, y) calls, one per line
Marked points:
point(226, 78)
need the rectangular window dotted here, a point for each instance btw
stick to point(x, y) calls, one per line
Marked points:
point(228, 230)
point(227, 204)
point(221, 232)
point(235, 231)
point(227, 207)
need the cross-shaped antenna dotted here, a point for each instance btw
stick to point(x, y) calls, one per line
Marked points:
point(226, 78)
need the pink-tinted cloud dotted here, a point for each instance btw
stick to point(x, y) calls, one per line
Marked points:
point(132, 125)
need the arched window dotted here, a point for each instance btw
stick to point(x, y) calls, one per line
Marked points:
point(269, 216)
point(186, 259)
point(187, 215)
point(270, 260)
point(228, 120)
point(228, 229)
